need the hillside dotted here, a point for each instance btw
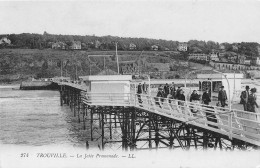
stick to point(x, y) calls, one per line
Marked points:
point(106, 43)
point(21, 64)
point(18, 65)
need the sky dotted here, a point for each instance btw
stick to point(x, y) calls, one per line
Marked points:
point(220, 21)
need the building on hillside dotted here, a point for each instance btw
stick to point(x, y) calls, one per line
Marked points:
point(5, 40)
point(59, 45)
point(234, 47)
point(155, 47)
point(132, 46)
point(198, 56)
point(76, 45)
point(232, 58)
point(257, 61)
point(222, 47)
point(223, 59)
point(97, 44)
point(247, 62)
point(241, 59)
point(55, 46)
point(183, 47)
point(221, 54)
point(84, 46)
point(214, 56)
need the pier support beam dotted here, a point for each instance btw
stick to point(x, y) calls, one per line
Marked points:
point(61, 95)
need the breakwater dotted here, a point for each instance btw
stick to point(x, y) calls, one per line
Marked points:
point(38, 85)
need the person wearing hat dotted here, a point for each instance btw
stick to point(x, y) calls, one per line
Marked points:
point(244, 97)
point(222, 96)
point(206, 97)
point(145, 88)
point(139, 92)
point(159, 96)
point(166, 90)
point(173, 91)
point(251, 105)
point(178, 92)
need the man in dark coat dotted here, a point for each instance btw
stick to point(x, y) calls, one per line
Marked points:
point(206, 97)
point(181, 97)
point(139, 91)
point(222, 97)
point(145, 88)
point(252, 104)
point(159, 96)
point(194, 96)
point(178, 92)
point(244, 98)
point(166, 90)
point(173, 91)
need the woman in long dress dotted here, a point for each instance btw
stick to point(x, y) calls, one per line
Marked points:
point(181, 101)
point(195, 99)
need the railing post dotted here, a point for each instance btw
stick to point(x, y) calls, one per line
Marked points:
point(186, 111)
point(230, 124)
point(149, 101)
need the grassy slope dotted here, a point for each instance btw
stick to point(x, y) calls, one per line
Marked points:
point(20, 64)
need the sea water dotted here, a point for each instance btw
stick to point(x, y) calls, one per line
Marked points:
point(35, 118)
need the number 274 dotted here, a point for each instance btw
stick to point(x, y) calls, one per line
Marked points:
point(24, 154)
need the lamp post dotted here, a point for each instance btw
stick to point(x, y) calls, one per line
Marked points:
point(229, 102)
point(186, 82)
point(89, 65)
point(61, 64)
point(117, 60)
point(149, 83)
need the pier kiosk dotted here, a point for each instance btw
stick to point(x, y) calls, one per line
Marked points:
point(108, 89)
point(231, 82)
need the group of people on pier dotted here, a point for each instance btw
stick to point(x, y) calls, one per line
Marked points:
point(206, 97)
point(248, 99)
point(170, 92)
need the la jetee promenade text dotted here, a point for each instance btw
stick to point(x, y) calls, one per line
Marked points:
point(82, 156)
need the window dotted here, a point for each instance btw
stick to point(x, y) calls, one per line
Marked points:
point(216, 85)
point(205, 85)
